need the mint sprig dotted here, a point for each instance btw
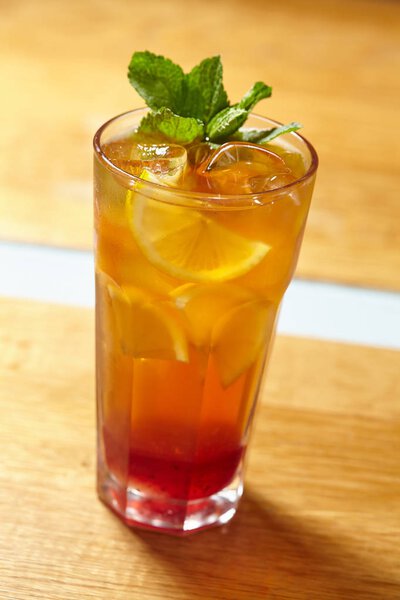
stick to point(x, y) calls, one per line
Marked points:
point(229, 120)
point(205, 95)
point(182, 130)
point(158, 80)
point(257, 92)
point(226, 122)
point(262, 136)
point(195, 106)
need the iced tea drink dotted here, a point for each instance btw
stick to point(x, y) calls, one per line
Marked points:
point(195, 247)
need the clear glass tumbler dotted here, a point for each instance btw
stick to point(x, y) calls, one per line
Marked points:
point(188, 286)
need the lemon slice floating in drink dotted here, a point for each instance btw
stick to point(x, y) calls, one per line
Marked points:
point(229, 321)
point(146, 329)
point(204, 304)
point(238, 338)
point(189, 244)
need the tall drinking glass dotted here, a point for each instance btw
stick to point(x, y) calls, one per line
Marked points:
point(188, 285)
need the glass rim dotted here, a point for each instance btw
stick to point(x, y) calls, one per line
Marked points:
point(231, 199)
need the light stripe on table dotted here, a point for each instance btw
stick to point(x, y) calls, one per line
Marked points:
point(310, 309)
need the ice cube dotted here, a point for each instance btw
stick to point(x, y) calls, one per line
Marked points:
point(272, 182)
point(199, 153)
point(166, 161)
point(295, 162)
point(243, 168)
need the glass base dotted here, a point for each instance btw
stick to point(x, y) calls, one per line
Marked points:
point(176, 517)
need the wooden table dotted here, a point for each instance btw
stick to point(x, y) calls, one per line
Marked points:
point(320, 519)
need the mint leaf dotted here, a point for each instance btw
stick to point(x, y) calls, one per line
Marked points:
point(260, 136)
point(158, 80)
point(192, 106)
point(205, 93)
point(182, 130)
point(250, 135)
point(257, 92)
point(281, 130)
point(226, 122)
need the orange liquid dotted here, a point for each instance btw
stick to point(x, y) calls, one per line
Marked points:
point(174, 419)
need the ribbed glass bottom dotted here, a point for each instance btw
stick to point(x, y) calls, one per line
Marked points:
point(176, 517)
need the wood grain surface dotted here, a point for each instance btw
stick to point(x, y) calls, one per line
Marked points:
point(333, 64)
point(320, 519)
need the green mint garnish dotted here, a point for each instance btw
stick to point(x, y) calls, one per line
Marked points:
point(226, 122)
point(195, 106)
point(262, 136)
point(205, 94)
point(158, 80)
point(183, 130)
point(258, 92)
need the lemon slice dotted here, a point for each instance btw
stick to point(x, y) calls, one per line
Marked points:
point(169, 160)
point(241, 337)
point(204, 304)
point(147, 330)
point(189, 244)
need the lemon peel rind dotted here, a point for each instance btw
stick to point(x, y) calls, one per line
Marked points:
point(124, 304)
point(136, 206)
